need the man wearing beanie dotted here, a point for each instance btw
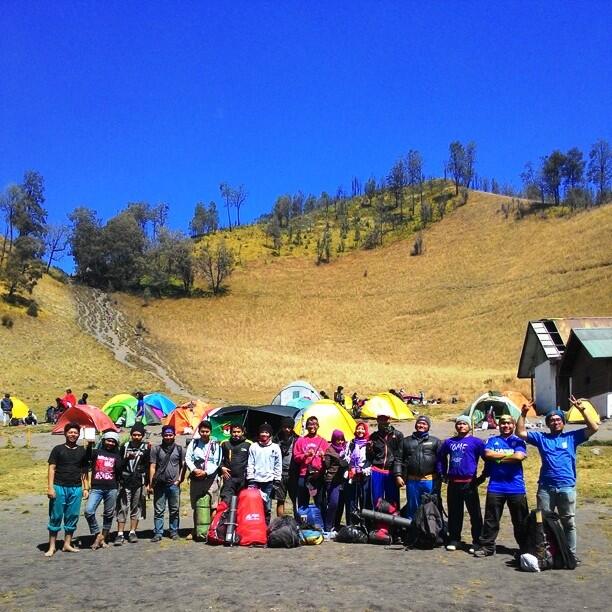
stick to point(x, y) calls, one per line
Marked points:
point(264, 466)
point(415, 465)
point(457, 465)
point(105, 474)
point(557, 481)
point(131, 499)
point(285, 439)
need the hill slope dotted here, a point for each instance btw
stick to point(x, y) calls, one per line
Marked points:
point(450, 321)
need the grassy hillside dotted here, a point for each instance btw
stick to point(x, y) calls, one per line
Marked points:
point(450, 321)
point(42, 356)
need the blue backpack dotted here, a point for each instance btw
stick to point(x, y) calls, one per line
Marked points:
point(310, 516)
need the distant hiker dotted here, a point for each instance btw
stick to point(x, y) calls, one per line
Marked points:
point(308, 454)
point(165, 475)
point(203, 459)
point(357, 488)
point(83, 400)
point(131, 499)
point(415, 465)
point(458, 464)
point(285, 439)
point(265, 466)
point(323, 394)
point(66, 486)
point(335, 465)
point(105, 474)
point(558, 448)
point(382, 450)
point(504, 456)
point(31, 419)
point(339, 395)
point(50, 414)
point(7, 408)
point(234, 459)
point(139, 405)
point(69, 400)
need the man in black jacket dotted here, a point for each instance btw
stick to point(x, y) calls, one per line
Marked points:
point(234, 458)
point(415, 465)
point(382, 450)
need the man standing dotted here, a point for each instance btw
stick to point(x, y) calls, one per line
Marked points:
point(458, 464)
point(7, 408)
point(382, 450)
point(234, 458)
point(504, 456)
point(285, 439)
point(165, 474)
point(415, 465)
point(308, 452)
point(67, 484)
point(557, 481)
point(131, 499)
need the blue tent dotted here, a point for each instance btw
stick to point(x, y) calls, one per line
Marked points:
point(301, 402)
point(160, 403)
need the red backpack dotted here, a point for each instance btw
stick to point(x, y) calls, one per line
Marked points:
point(251, 520)
point(218, 526)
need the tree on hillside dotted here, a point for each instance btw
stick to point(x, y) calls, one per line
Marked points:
point(8, 206)
point(600, 168)
point(461, 163)
point(273, 231)
point(324, 246)
point(573, 169)
point(552, 173)
point(57, 241)
point(414, 167)
point(226, 194)
point(159, 217)
point(87, 246)
point(238, 197)
point(169, 258)
point(282, 210)
point(370, 190)
point(124, 249)
point(397, 181)
point(205, 219)
point(355, 187)
point(297, 204)
point(533, 185)
point(310, 203)
point(215, 265)
point(141, 211)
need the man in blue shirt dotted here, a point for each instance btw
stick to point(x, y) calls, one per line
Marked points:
point(504, 456)
point(557, 482)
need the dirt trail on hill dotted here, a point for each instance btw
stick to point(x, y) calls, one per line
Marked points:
point(100, 317)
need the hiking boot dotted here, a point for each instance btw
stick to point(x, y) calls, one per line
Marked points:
point(119, 540)
point(132, 538)
point(174, 536)
point(156, 538)
point(481, 553)
point(451, 546)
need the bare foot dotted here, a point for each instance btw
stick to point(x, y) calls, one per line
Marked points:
point(70, 549)
point(50, 552)
point(103, 544)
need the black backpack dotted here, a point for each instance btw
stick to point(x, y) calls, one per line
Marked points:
point(352, 534)
point(547, 541)
point(283, 532)
point(428, 528)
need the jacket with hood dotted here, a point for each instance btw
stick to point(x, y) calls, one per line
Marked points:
point(384, 448)
point(417, 457)
point(265, 463)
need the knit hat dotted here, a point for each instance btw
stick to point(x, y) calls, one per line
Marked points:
point(265, 427)
point(168, 429)
point(138, 427)
point(287, 422)
point(424, 418)
point(111, 435)
point(553, 413)
point(464, 419)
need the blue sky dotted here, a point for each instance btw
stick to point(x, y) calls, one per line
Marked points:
point(161, 101)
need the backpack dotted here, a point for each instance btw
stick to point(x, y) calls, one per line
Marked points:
point(428, 528)
point(311, 516)
point(251, 519)
point(218, 526)
point(546, 540)
point(310, 537)
point(379, 536)
point(283, 532)
point(352, 534)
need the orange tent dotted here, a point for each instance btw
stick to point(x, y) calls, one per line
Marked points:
point(85, 416)
point(519, 399)
point(187, 416)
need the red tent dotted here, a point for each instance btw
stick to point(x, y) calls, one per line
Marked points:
point(85, 416)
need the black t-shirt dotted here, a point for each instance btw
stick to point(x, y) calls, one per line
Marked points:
point(135, 460)
point(70, 463)
point(105, 469)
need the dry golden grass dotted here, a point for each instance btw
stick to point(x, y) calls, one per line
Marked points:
point(43, 356)
point(20, 473)
point(451, 321)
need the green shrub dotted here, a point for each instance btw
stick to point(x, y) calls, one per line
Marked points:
point(32, 310)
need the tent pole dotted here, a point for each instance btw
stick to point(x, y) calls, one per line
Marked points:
point(531, 388)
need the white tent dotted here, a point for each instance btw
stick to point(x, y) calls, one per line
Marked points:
point(296, 390)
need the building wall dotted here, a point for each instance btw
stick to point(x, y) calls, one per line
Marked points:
point(545, 386)
point(591, 377)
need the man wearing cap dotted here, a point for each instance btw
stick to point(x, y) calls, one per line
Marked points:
point(165, 476)
point(105, 474)
point(382, 449)
point(457, 465)
point(557, 448)
point(265, 466)
point(415, 465)
point(504, 456)
point(131, 499)
point(285, 439)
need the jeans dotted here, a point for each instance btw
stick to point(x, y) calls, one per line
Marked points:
point(266, 488)
point(382, 486)
point(334, 494)
point(303, 494)
point(458, 495)
point(414, 490)
point(356, 497)
point(494, 507)
point(162, 493)
point(561, 500)
point(67, 506)
point(109, 497)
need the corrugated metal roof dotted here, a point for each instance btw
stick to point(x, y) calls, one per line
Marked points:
point(597, 342)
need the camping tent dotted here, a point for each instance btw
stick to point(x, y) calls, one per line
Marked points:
point(509, 402)
point(388, 403)
point(575, 416)
point(20, 409)
point(331, 416)
point(160, 403)
point(250, 417)
point(301, 403)
point(122, 406)
point(294, 391)
point(85, 416)
point(187, 417)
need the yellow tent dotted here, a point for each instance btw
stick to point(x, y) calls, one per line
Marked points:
point(574, 415)
point(20, 410)
point(386, 403)
point(331, 416)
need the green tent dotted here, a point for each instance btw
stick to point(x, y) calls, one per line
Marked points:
point(500, 403)
point(122, 407)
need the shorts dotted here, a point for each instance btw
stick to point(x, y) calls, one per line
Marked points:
point(281, 490)
point(129, 503)
point(198, 487)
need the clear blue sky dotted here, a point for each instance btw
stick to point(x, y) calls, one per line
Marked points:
point(118, 101)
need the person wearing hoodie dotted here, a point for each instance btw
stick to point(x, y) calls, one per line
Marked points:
point(415, 465)
point(334, 465)
point(104, 483)
point(235, 454)
point(285, 439)
point(356, 490)
point(265, 466)
point(457, 464)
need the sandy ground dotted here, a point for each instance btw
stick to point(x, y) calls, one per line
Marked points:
point(186, 575)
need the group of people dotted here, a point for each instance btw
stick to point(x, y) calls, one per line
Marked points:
point(340, 476)
point(9, 418)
